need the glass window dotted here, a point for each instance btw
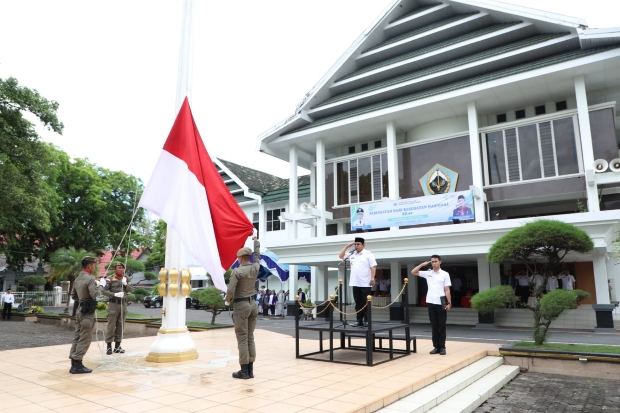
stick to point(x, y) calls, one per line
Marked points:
point(541, 150)
point(529, 151)
point(353, 187)
point(273, 219)
point(365, 179)
point(384, 176)
point(329, 186)
point(566, 151)
point(495, 153)
point(342, 182)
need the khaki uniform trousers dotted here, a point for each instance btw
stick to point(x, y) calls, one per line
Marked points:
point(244, 318)
point(84, 324)
point(117, 313)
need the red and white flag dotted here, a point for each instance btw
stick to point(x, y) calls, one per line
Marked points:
point(188, 193)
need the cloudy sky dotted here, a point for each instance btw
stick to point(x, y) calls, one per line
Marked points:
point(112, 66)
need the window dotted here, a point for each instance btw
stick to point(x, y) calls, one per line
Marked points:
point(361, 180)
point(377, 144)
point(520, 114)
point(540, 150)
point(255, 221)
point(351, 149)
point(501, 118)
point(273, 219)
point(540, 110)
point(364, 147)
point(561, 105)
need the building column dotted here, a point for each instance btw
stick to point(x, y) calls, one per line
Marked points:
point(586, 143)
point(320, 281)
point(262, 225)
point(412, 289)
point(392, 157)
point(484, 274)
point(292, 191)
point(476, 162)
point(313, 190)
point(600, 278)
point(496, 278)
point(613, 275)
point(395, 284)
point(320, 187)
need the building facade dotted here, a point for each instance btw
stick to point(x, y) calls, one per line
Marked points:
point(518, 104)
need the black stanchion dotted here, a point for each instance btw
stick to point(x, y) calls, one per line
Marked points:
point(297, 326)
point(370, 340)
point(406, 301)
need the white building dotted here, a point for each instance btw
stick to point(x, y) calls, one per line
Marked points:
point(518, 102)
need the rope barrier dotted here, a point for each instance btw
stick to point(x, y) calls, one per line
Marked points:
point(393, 301)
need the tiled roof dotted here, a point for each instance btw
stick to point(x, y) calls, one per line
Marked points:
point(260, 182)
point(416, 11)
point(475, 80)
point(445, 66)
point(421, 30)
point(431, 48)
point(303, 191)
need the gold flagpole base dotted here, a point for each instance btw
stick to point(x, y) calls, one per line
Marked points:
point(172, 357)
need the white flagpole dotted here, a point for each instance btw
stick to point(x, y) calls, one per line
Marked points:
point(173, 342)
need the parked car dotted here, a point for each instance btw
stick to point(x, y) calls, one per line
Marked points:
point(153, 301)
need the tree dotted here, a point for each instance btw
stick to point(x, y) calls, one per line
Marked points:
point(31, 280)
point(213, 301)
point(66, 264)
point(26, 163)
point(552, 305)
point(157, 259)
point(540, 246)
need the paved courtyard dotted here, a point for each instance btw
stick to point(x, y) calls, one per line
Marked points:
point(553, 393)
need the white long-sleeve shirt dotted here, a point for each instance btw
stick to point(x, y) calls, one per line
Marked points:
point(8, 299)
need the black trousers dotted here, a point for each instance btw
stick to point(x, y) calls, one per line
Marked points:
point(438, 317)
point(524, 293)
point(7, 311)
point(360, 295)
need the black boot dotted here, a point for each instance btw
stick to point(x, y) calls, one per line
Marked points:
point(118, 348)
point(242, 374)
point(71, 370)
point(109, 350)
point(251, 370)
point(79, 368)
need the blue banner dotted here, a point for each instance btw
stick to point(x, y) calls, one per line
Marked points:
point(413, 211)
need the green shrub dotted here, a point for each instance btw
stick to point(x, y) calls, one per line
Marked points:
point(141, 291)
point(139, 297)
point(581, 295)
point(39, 302)
point(486, 301)
point(21, 289)
point(35, 309)
point(131, 297)
point(102, 306)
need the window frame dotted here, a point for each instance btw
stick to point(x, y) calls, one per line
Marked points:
point(270, 221)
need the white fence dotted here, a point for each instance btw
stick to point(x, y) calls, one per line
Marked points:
point(27, 299)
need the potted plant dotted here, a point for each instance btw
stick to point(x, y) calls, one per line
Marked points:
point(486, 301)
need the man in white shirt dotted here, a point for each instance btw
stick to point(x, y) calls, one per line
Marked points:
point(362, 276)
point(384, 287)
point(8, 300)
point(439, 284)
point(552, 282)
point(568, 281)
point(523, 287)
point(359, 222)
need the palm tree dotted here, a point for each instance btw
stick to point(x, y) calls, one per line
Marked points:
point(66, 264)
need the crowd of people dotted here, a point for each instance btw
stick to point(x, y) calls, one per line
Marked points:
point(525, 285)
point(270, 302)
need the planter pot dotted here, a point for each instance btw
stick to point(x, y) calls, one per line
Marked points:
point(486, 320)
point(604, 318)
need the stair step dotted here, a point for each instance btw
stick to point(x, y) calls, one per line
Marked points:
point(434, 394)
point(468, 399)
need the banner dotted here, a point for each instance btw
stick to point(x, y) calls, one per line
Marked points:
point(413, 211)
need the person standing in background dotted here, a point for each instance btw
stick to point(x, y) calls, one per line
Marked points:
point(8, 299)
point(568, 281)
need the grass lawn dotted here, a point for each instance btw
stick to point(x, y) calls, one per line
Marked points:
point(569, 347)
point(104, 314)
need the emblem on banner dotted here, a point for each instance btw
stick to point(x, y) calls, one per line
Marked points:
point(439, 180)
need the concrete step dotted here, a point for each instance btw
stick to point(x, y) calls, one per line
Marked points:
point(472, 396)
point(437, 393)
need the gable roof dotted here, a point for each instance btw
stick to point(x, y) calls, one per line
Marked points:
point(419, 48)
point(269, 187)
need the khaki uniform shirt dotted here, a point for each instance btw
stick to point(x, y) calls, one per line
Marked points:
point(115, 285)
point(243, 278)
point(84, 287)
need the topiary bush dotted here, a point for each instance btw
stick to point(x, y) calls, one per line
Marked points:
point(131, 297)
point(35, 309)
point(102, 306)
point(486, 301)
point(552, 305)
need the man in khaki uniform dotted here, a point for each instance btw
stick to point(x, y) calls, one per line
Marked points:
point(241, 289)
point(117, 307)
point(85, 292)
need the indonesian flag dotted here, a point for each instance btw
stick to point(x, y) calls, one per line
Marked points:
point(188, 193)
